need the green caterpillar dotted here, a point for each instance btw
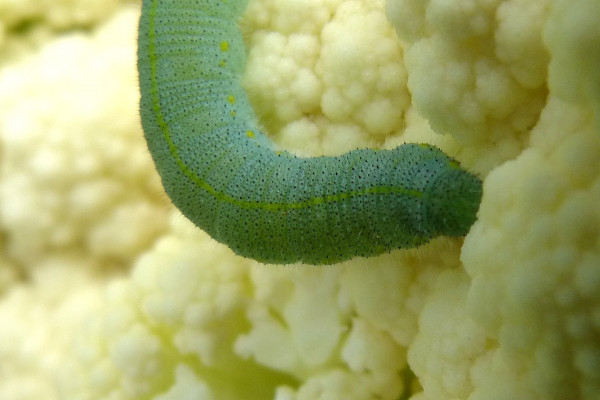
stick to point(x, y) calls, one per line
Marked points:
point(223, 174)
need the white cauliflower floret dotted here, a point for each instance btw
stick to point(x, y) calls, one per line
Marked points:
point(476, 71)
point(37, 326)
point(75, 175)
point(540, 299)
point(29, 24)
point(182, 309)
point(59, 14)
point(573, 38)
point(449, 343)
point(187, 386)
point(517, 41)
point(236, 329)
point(328, 86)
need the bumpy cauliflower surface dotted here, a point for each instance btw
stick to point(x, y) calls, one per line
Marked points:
point(109, 293)
point(76, 179)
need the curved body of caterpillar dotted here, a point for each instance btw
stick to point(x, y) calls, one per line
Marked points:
point(224, 175)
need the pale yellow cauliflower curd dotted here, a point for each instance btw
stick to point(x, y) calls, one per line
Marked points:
point(76, 180)
point(325, 76)
point(511, 88)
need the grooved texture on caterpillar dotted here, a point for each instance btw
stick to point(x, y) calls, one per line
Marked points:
point(223, 174)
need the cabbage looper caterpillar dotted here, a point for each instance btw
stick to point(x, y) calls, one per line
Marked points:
point(222, 173)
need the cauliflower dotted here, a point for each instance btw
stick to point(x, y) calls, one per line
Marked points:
point(235, 329)
point(511, 312)
point(75, 177)
point(37, 323)
point(299, 82)
point(477, 71)
point(28, 24)
point(52, 14)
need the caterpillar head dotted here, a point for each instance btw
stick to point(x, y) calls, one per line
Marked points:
point(452, 201)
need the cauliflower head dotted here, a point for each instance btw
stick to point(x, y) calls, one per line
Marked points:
point(75, 177)
point(509, 87)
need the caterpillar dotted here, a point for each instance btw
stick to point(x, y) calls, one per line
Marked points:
point(225, 176)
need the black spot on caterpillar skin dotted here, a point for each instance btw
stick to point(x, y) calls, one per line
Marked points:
point(223, 174)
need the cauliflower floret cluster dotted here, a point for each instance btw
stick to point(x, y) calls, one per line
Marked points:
point(25, 25)
point(38, 322)
point(75, 176)
point(477, 71)
point(540, 301)
point(232, 328)
point(511, 88)
point(55, 14)
point(325, 77)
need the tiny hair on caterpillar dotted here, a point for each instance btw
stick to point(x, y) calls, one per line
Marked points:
point(224, 175)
